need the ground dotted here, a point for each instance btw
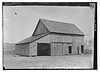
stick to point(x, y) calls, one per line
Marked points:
point(69, 61)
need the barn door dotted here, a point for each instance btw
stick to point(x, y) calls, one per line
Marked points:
point(82, 49)
point(43, 49)
point(78, 50)
point(70, 49)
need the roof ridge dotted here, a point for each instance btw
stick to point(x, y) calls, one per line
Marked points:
point(56, 26)
point(55, 21)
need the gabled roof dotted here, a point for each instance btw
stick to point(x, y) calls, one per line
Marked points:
point(32, 38)
point(54, 26)
point(61, 27)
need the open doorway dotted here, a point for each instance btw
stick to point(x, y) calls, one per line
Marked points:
point(78, 50)
point(43, 49)
point(70, 49)
point(82, 49)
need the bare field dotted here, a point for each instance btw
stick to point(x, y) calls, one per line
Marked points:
point(67, 62)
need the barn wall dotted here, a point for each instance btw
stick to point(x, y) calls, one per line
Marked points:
point(40, 29)
point(22, 49)
point(76, 41)
point(60, 38)
point(61, 46)
point(33, 49)
point(65, 49)
point(33, 45)
point(45, 39)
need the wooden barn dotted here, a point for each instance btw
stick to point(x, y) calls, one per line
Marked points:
point(52, 38)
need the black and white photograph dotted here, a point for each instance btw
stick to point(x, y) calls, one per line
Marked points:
point(49, 35)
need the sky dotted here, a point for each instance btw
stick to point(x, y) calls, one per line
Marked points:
point(21, 25)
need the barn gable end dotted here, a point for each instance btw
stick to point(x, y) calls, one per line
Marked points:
point(40, 29)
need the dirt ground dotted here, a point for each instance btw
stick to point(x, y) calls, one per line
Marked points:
point(66, 62)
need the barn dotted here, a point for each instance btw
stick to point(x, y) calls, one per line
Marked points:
point(52, 38)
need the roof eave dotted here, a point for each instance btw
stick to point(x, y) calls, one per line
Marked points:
point(66, 33)
point(33, 40)
point(22, 43)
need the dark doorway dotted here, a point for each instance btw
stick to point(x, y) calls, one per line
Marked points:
point(78, 50)
point(82, 48)
point(43, 49)
point(70, 49)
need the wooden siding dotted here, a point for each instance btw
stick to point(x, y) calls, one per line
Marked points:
point(22, 49)
point(40, 29)
point(56, 49)
point(33, 48)
point(76, 41)
point(59, 49)
point(33, 45)
point(59, 44)
point(65, 49)
point(60, 38)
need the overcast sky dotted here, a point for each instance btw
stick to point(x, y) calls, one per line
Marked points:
point(21, 25)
